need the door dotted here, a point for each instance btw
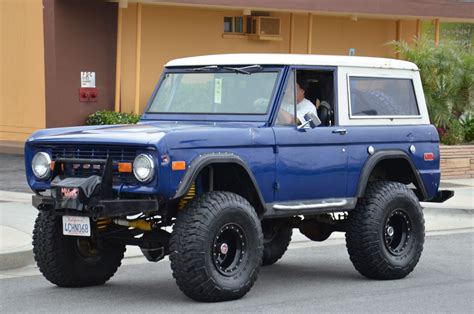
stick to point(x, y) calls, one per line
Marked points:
point(311, 163)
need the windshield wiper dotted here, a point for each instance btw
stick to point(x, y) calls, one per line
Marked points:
point(206, 68)
point(245, 69)
point(249, 69)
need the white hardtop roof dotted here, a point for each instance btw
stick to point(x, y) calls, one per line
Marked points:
point(292, 59)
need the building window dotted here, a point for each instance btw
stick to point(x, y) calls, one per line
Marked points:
point(234, 24)
point(239, 24)
point(228, 24)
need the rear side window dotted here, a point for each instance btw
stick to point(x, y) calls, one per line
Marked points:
point(377, 96)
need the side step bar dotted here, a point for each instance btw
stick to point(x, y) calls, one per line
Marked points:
point(303, 206)
point(309, 207)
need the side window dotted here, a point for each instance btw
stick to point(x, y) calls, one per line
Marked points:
point(308, 91)
point(375, 96)
point(286, 114)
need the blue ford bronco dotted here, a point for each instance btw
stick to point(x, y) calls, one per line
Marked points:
point(225, 157)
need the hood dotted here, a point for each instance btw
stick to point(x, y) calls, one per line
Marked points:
point(147, 133)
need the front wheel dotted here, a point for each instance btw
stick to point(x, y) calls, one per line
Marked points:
point(216, 247)
point(386, 231)
point(68, 261)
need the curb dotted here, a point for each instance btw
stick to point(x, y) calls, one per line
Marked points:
point(20, 197)
point(12, 147)
point(449, 211)
point(16, 259)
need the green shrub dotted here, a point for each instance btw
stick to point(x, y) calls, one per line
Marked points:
point(454, 134)
point(104, 117)
point(447, 75)
point(465, 102)
point(468, 124)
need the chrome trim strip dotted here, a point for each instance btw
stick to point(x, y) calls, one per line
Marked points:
point(324, 204)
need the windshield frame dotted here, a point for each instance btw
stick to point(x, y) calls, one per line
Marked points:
point(165, 116)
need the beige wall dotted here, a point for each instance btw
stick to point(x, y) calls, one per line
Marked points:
point(336, 35)
point(169, 33)
point(174, 32)
point(408, 30)
point(127, 90)
point(22, 97)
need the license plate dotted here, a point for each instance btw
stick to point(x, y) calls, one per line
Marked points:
point(69, 192)
point(76, 226)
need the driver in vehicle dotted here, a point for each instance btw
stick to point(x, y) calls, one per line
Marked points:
point(303, 105)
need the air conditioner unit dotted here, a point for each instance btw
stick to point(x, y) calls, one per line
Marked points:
point(265, 28)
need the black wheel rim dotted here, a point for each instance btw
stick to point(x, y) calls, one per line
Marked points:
point(228, 249)
point(397, 232)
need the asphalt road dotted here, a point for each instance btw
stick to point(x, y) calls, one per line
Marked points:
point(311, 277)
point(13, 178)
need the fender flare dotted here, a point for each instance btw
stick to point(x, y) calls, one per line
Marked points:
point(205, 160)
point(372, 162)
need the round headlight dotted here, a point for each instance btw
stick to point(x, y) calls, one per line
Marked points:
point(41, 165)
point(143, 168)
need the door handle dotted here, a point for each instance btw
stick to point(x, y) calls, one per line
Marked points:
point(340, 131)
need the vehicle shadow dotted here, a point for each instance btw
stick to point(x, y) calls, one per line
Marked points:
point(154, 284)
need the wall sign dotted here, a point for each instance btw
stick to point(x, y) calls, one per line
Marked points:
point(87, 79)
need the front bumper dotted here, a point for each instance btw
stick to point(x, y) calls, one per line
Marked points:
point(99, 208)
point(95, 197)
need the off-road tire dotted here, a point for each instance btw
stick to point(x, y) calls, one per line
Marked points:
point(370, 249)
point(193, 247)
point(60, 261)
point(276, 238)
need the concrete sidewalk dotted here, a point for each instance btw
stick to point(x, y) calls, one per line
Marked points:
point(17, 217)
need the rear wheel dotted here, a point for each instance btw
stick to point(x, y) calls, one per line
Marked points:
point(276, 238)
point(68, 261)
point(386, 231)
point(216, 247)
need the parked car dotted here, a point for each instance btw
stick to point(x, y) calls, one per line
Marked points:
point(225, 156)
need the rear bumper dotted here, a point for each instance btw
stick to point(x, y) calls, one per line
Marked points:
point(98, 208)
point(441, 196)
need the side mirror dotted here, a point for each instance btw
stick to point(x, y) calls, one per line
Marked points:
point(311, 119)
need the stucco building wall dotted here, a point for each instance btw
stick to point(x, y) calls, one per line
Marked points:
point(173, 32)
point(80, 36)
point(22, 95)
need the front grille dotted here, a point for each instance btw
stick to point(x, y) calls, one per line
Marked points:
point(117, 154)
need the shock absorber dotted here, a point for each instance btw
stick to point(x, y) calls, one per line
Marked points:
point(188, 197)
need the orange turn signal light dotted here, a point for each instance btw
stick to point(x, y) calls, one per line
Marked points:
point(125, 167)
point(178, 165)
point(53, 163)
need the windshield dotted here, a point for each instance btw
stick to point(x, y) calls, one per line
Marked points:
point(215, 93)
